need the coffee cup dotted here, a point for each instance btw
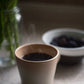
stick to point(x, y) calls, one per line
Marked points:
point(37, 72)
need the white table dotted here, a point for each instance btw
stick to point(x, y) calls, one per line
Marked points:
point(64, 75)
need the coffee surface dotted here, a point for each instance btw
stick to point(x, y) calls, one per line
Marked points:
point(37, 57)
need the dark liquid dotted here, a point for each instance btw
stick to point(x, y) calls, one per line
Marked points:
point(37, 57)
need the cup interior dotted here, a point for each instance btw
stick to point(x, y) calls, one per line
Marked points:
point(35, 48)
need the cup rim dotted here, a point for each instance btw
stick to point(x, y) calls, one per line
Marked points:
point(28, 44)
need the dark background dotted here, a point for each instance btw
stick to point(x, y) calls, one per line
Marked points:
point(66, 2)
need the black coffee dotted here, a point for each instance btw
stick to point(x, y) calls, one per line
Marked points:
point(37, 57)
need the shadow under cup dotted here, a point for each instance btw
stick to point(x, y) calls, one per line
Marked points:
point(37, 72)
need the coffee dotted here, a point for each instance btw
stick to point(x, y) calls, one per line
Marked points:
point(37, 57)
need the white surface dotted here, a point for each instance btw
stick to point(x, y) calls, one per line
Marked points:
point(64, 75)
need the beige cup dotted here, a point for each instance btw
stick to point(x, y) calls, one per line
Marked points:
point(37, 72)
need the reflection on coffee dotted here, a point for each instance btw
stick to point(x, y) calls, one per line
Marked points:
point(37, 57)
